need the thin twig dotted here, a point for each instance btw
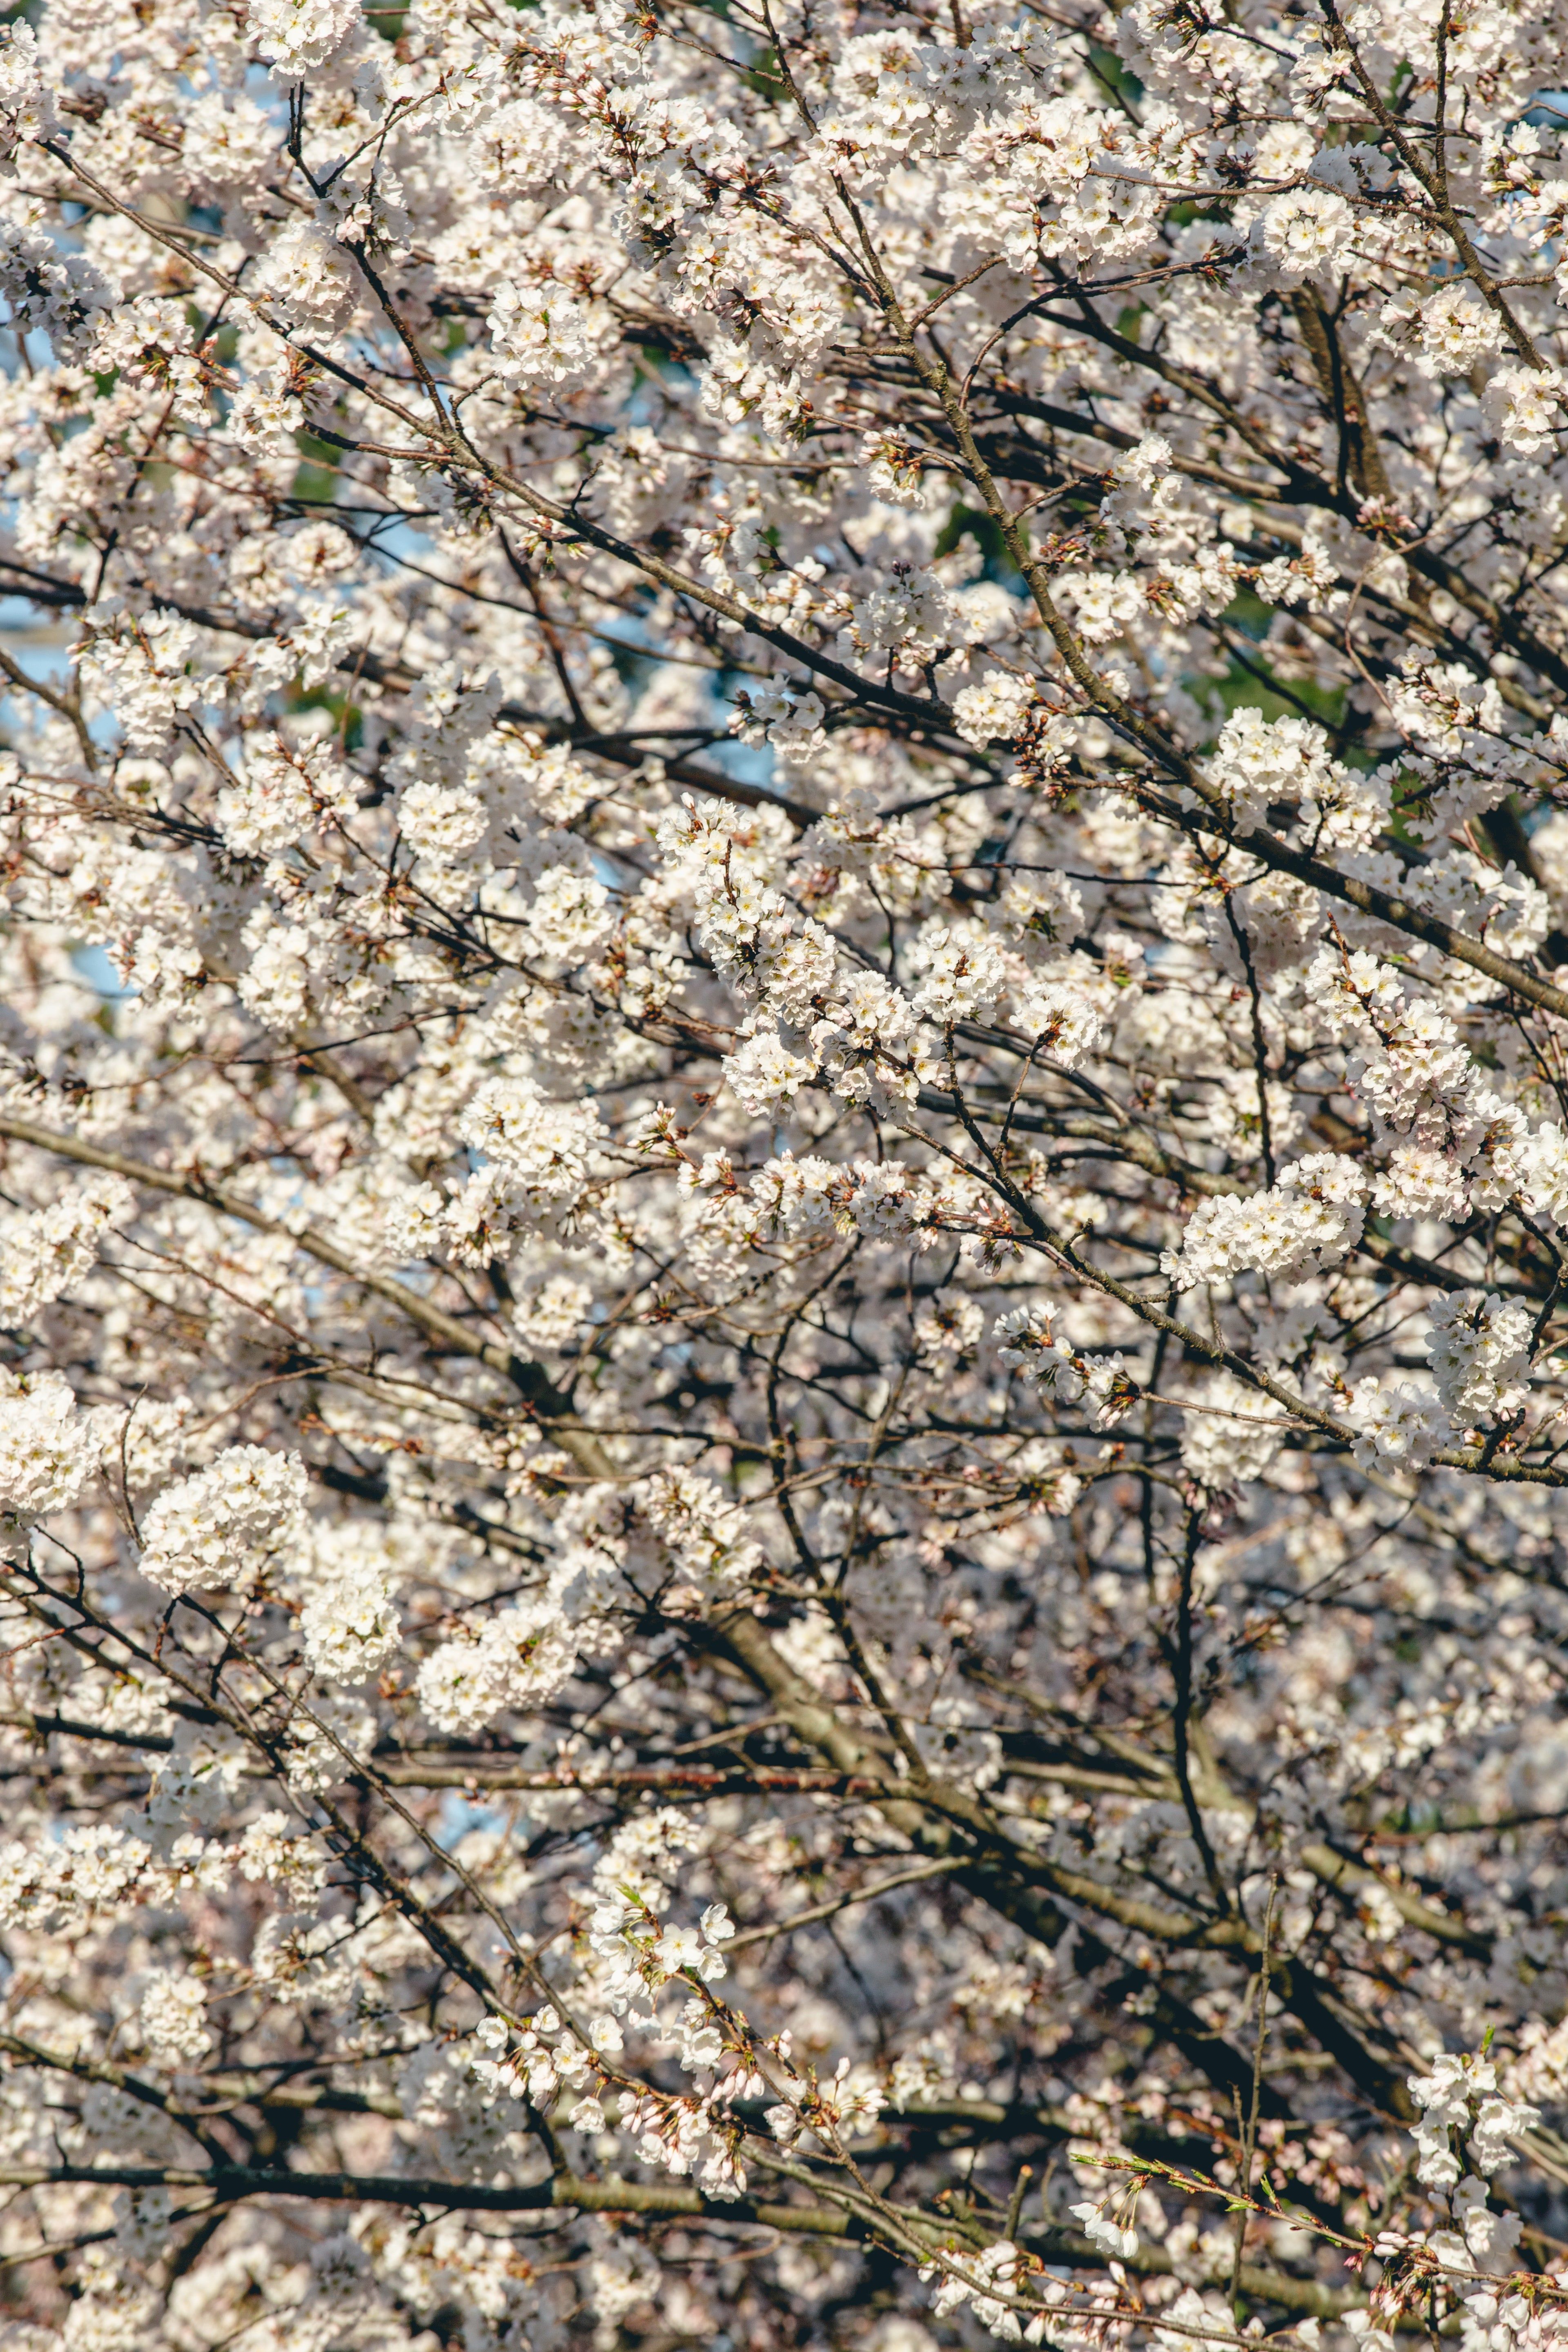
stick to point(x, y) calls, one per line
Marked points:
point(1249, 2133)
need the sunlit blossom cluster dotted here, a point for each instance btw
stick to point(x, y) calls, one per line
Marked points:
point(784, 1176)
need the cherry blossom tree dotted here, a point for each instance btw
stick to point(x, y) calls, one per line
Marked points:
point(783, 1093)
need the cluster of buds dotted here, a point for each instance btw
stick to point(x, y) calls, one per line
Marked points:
point(698, 2134)
point(698, 2131)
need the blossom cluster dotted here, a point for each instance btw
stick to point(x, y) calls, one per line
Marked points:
point(784, 1175)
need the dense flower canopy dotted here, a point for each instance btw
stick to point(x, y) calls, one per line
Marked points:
point(783, 1094)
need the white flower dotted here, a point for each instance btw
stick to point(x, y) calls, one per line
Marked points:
point(703, 1528)
point(764, 1074)
point(1304, 231)
point(909, 607)
point(1064, 1023)
point(297, 37)
point(543, 334)
point(173, 2014)
point(49, 1449)
point(963, 974)
point(992, 712)
point(45, 1252)
point(1259, 761)
point(1228, 1440)
point(949, 1332)
point(442, 823)
point(1304, 1223)
point(1459, 2093)
point(686, 1041)
point(541, 1157)
point(272, 804)
point(677, 1949)
point(46, 291)
point(1480, 1350)
point(308, 274)
point(214, 1529)
point(1101, 2231)
point(348, 1623)
point(1398, 1426)
point(1524, 407)
point(25, 102)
